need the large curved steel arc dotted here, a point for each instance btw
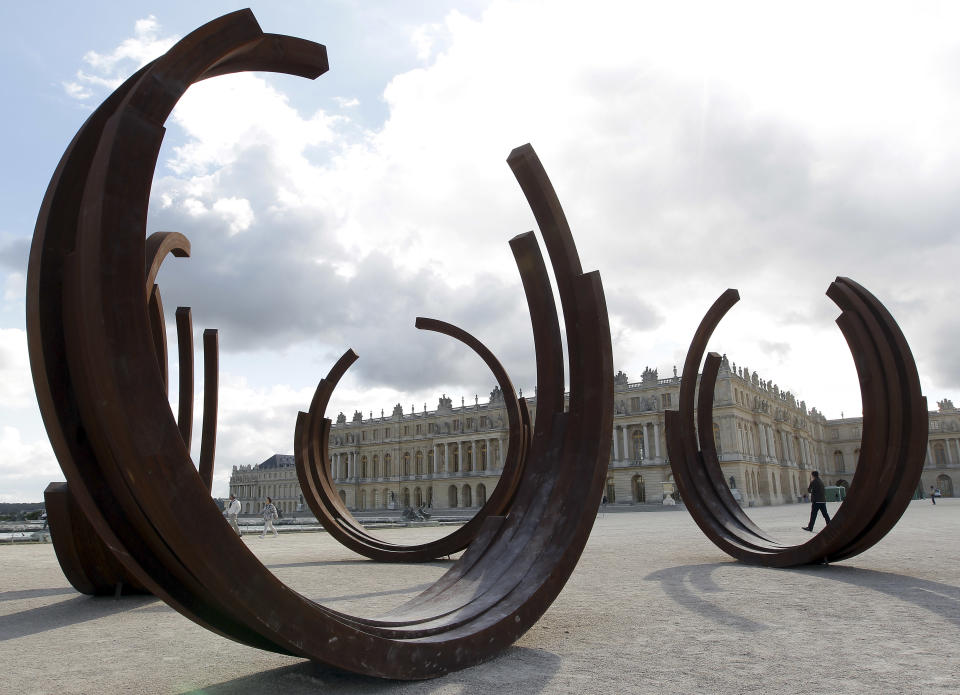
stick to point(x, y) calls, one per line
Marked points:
point(892, 446)
point(313, 465)
point(120, 446)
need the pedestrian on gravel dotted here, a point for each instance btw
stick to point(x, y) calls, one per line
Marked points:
point(818, 500)
point(269, 514)
point(232, 512)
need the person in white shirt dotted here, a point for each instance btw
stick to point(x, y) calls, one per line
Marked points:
point(231, 512)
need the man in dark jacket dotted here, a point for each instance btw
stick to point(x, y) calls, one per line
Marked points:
point(818, 500)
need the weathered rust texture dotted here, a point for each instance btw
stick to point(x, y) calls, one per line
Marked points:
point(185, 351)
point(211, 391)
point(311, 443)
point(104, 403)
point(89, 565)
point(892, 448)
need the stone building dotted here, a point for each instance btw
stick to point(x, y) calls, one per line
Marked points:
point(451, 457)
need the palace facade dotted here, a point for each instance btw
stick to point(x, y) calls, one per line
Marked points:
point(452, 457)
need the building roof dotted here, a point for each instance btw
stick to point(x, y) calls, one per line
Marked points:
point(278, 461)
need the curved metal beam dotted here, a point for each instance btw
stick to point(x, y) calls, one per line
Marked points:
point(120, 447)
point(892, 447)
point(311, 444)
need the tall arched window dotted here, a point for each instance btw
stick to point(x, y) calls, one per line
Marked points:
point(419, 463)
point(468, 459)
point(637, 444)
point(716, 438)
point(376, 466)
point(939, 454)
point(363, 468)
point(387, 469)
point(838, 462)
point(406, 463)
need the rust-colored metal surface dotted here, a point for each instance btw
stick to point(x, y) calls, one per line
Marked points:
point(86, 559)
point(892, 448)
point(89, 565)
point(319, 490)
point(103, 397)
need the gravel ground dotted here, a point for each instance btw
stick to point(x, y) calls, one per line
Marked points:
point(652, 607)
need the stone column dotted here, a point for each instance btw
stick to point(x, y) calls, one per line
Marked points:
point(616, 448)
point(626, 443)
point(646, 442)
point(762, 435)
point(656, 438)
point(770, 444)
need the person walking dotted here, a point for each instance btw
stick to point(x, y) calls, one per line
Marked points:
point(269, 514)
point(933, 495)
point(232, 512)
point(818, 500)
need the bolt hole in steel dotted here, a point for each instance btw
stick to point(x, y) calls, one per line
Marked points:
point(102, 389)
point(891, 451)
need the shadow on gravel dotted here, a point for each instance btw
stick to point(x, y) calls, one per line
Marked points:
point(442, 564)
point(74, 610)
point(685, 584)
point(518, 669)
point(940, 599)
point(35, 593)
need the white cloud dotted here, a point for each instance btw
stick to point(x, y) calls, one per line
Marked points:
point(108, 70)
point(236, 211)
point(16, 384)
point(25, 467)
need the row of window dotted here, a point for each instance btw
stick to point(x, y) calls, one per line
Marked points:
point(462, 496)
point(456, 425)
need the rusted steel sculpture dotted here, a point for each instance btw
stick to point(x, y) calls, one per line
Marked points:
point(103, 397)
point(313, 465)
point(892, 448)
point(86, 560)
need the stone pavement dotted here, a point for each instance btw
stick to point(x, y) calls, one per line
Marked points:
point(652, 607)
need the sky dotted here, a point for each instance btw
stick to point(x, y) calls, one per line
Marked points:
point(695, 146)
